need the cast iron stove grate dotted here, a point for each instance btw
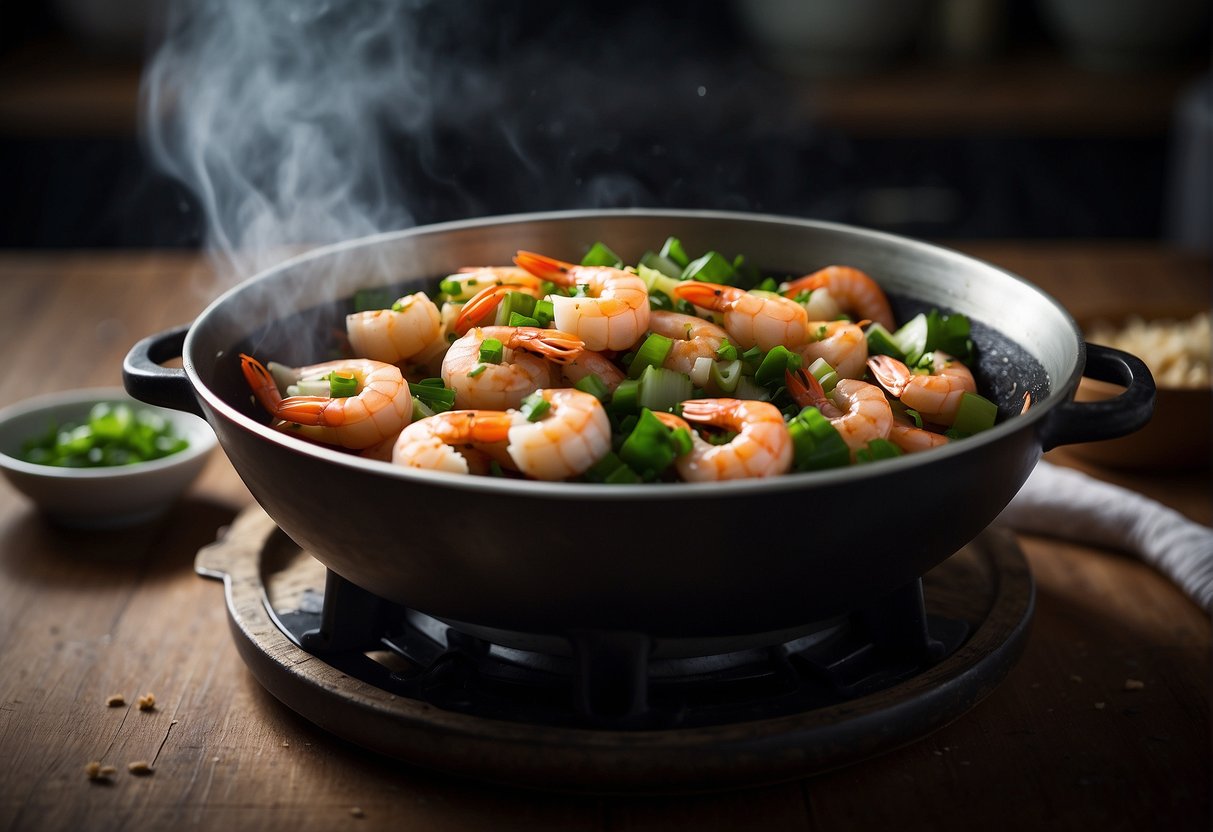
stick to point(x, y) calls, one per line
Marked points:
point(620, 711)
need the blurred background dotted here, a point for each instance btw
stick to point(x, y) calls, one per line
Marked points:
point(943, 119)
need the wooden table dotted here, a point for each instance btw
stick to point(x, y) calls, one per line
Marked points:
point(89, 615)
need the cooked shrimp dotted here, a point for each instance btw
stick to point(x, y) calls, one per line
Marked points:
point(379, 408)
point(526, 365)
point(841, 344)
point(911, 438)
point(936, 395)
point(573, 435)
point(750, 319)
point(858, 411)
point(453, 441)
point(485, 302)
point(471, 280)
point(693, 338)
point(590, 363)
point(761, 448)
point(406, 330)
point(853, 290)
point(613, 314)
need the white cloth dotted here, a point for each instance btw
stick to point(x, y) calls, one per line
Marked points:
point(1062, 502)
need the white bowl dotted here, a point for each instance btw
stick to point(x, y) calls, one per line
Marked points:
point(96, 498)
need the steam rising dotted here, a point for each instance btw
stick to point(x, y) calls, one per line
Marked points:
point(279, 114)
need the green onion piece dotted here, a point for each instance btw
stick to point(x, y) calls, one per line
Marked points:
point(950, 334)
point(710, 268)
point(514, 302)
point(824, 373)
point(914, 415)
point(491, 351)
point(534, 407)
point(767, 284)
point(682, 441)
point(660, 263)
point(595, 386)
point(114, 434)
point(403, 304)
point(747, 388)
point(726, 375)
point(775, 364)
point(816, 444)
point(450, 286)
point(650, 446)
point(974, 414)
point(701, 371)
point(544, 312)
point(522, 320)
point(673, 250)
point(600, 255)
point(660, 301)
point(881, 342)
point(652, 353)
point(657, 281)
point(727, 352)
point(342, 385)
point(611, 469)
point(477, 370)
point(662, 389)
point(436, 397)
point(911, 338)
point(876, 450)
point(751, 358)
point(368, 300)
point(421, 410)
point(626, 397)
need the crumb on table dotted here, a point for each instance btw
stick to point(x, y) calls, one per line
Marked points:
point(115, 700)
point(147, 702)
point(139, 768)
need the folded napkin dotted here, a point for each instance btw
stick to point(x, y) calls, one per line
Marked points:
point(1062, 502)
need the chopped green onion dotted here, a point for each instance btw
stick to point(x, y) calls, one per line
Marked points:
point(824, 373)
point(626, 397)
point(534, 407)
point(881, 342)
point(974, 414)
point(726, 375)
point(514, 303)
point(767, 284)
point(477, 370)
point(747, 388)
point(950, 334)
point(775, 364)
point(673, 250)
point(342, 385)
point(658, 281)
point(710, 268)
point(450, 286)
point(595, 386)
point(544, 312)
point(876, 450)
point(403, 304)
point(660, 263)
point(421, 410)
point(911, 338)
point(660, 301)
point(701, 371)
point(751, 358)
point(816, 444)
point(662, 389)
point(434, 394)
point(727, 352)
point(600, 255)
point(491, 351)
point(611, 469)
point(522, 320)
point(114, 434)
point(650, 447)
point(652, 353)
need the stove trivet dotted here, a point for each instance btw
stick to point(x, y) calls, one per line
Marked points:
point(444, 696)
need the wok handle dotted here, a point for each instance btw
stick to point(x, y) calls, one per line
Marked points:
point(1107, 419)
point(148, 381)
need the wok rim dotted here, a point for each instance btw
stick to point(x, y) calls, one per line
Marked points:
point(566, 490)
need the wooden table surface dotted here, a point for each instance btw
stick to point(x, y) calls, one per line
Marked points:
point(86, 615)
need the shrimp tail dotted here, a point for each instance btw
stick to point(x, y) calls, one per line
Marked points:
point(554, 345)
point(262, 383)
point(461, 427)
point(549, 268)
point(805, 389)
point(706, 411)
point(481, 305)
point(706, 295)
point(303, 410)
point(891, 374)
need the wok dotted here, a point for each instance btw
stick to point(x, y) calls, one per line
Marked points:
point(669, 560)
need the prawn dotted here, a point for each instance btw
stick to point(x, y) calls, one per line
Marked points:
point(405, 331)
point(590, 363)
point(764, 321)
point(853, 290)
point(761, 448)
point(841, 344)
point(379, 409)
point(693, 338)
point(574, 434)
point(615, 312)
point(858, 411)
point(525, 367)
point(484, 303)
point(936, 394)
point(456, 441)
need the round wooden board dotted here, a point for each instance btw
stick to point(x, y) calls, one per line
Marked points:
point(986, 584)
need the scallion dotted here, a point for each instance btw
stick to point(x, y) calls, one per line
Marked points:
point(662, 389)
point(342, 385)
point(710, 268)
point(816, 444)
point(652, 353)
point(974, 414)
point(673, 250)
point(491, 351)
point(600, 255)
point(534, 407)
point(595, 386)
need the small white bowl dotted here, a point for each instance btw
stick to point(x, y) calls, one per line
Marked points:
point(98, 498)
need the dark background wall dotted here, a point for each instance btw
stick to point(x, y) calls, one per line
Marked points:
point(673, 104)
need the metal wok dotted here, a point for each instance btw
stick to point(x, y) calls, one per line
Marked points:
point(674, 560)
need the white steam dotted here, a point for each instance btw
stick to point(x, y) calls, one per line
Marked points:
point(280, 115)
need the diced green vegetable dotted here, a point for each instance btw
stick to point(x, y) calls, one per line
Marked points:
point(710, 268)
point(911, 338)
point(876, 450)
point(491, 351)
point(421, 410)
point(434, 394)
point(514, 303)
point(113, 434)
point(726, 375)
point(658, 281)
point(775, 364)
point(544, 312)
point(816, 444)
point(747, 388)
point(626, 397)
point(949, 334)
point(662, 389)
point(600, 255)
point(595, 386)
point(727, 352)
point(522, 320)
point(477, 370)
point(652, 353)
point(824, 373)
point(673, 250)
point(651, 446)
point(534, 407)
point(342, 385)
point(663, 264)
point(974, 414)
point(881, 342)
point(611, 469)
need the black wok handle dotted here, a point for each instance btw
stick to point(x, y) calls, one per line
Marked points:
point(148, 381)
point(1109, 418)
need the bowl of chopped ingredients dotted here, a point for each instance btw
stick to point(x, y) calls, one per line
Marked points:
point(96, 458)
point(1177, 348)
